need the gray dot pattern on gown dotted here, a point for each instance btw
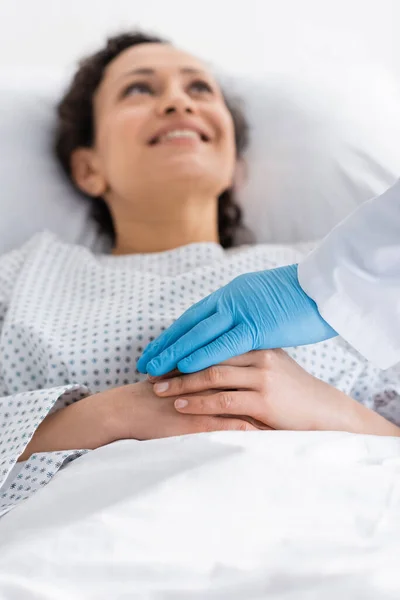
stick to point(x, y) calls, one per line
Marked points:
point(73, 323)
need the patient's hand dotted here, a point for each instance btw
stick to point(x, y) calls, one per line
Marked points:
point(271, 387)
point(130, 411)
point(142, 415)
point(260, 390)
point(127, 412)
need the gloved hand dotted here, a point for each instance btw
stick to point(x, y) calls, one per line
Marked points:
point(262, 310)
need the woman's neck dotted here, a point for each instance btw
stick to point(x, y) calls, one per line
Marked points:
point(146, 228)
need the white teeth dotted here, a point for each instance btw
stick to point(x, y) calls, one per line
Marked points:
point(180, 133)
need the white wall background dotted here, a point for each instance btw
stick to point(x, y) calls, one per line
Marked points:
point(249, 36)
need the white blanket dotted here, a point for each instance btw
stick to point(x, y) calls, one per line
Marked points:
point(231, 515)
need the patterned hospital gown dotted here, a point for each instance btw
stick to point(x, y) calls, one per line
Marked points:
point(73, 323)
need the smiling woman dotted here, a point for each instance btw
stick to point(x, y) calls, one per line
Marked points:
point(146, 131)
point(112, 120)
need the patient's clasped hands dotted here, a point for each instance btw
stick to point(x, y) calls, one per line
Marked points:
point(263, 389)
point(269, 390)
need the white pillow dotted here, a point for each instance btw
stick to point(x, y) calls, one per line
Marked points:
point(321, 144)
point(34, 193)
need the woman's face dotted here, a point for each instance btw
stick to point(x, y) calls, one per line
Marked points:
point(161, 124)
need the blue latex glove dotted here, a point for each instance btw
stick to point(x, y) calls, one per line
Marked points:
point(266, 309)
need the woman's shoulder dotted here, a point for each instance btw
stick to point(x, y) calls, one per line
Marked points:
point(48, 239)
point(44, 242)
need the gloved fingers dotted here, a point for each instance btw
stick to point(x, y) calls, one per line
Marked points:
point(202, 334)
point(196, 313)
point(214, 378)
point(232, 343)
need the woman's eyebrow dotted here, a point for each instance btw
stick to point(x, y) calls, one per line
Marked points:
point(150, 71)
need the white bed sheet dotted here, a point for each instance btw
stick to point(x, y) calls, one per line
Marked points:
point(233, 515)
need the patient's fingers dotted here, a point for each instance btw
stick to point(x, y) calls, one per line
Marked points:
point(226, 424)
point(221, 403)
point(256, 358)
point(257, 424)
point(155, 378)
point(217, 377)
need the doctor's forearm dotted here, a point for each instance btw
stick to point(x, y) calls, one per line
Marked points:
point(354, 278)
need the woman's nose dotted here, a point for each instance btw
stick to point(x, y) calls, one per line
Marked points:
point(179, 103)
point(173, 108)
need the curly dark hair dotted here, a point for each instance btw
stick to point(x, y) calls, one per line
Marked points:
point(75, 128)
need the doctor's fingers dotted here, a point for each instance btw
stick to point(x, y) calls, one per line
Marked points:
point(195, 314)
point(201, 335)
point(231, 343)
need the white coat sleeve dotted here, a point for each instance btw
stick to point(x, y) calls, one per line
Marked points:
point(22, 413)
point(354, 278)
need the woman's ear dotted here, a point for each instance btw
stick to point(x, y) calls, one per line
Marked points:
point(240, 174)
point(86, 173)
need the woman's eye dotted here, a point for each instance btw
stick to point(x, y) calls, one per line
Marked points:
point(137, 88)
point(200, 86)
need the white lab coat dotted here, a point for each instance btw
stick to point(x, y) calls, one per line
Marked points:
point(354, 278)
